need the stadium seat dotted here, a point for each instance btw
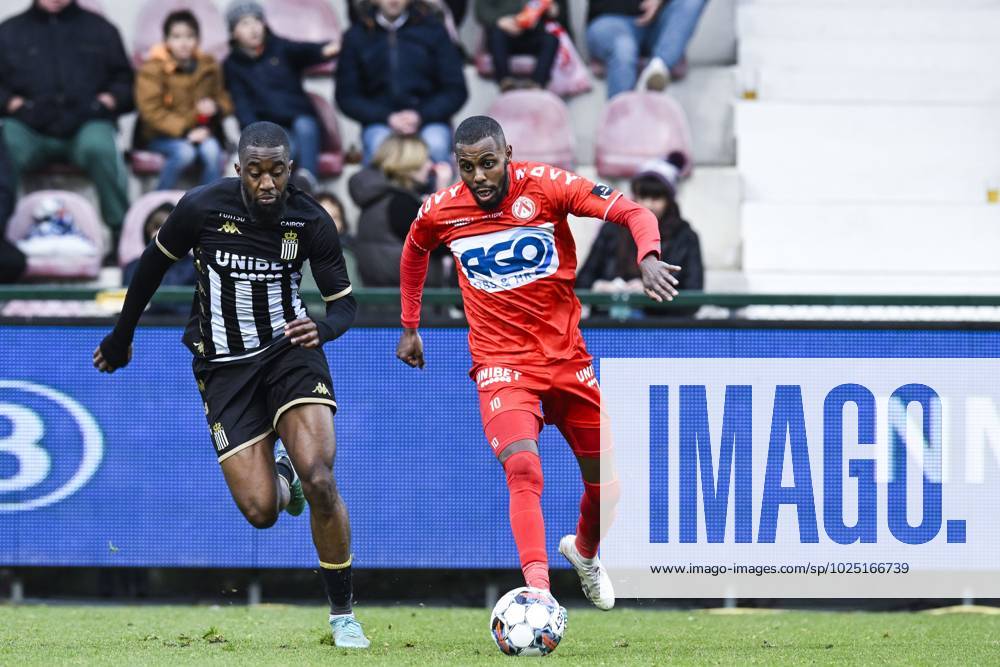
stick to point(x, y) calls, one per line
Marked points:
point(132, 242)
point(305, 21)
point(636, 127)
point(536, 123)
point(331, 157)
point(88, 222)
point(149, 27)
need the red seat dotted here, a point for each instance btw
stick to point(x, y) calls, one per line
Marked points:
point(331, 156)
point(132, 242)
point(636, 127)
point(145, 163)
point(305, 21)
point(537, 124)
point(88, 222)
point(149, 27)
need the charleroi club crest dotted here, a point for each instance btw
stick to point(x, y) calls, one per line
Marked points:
point(289, 246)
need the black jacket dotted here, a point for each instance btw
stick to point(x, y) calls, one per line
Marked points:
point(613, 256)
point(416, 67)
point(387, 210)
point(269, 86)
point(59, 63)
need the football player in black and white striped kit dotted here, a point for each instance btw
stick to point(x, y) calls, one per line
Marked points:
point(258, 357)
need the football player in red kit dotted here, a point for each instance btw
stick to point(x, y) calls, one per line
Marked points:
point(506, 226)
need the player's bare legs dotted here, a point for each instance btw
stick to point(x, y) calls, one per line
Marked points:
point(253, 482)
point(307, 431)
point(523, 469)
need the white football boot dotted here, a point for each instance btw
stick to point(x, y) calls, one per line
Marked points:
point(593, 577)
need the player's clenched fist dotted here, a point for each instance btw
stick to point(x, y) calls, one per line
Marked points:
point(411, 348)
point(113, 358)
point(658, 279)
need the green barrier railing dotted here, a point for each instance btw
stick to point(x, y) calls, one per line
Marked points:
point(437, 296)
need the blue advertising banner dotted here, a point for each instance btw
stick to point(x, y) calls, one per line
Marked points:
point(120, 470)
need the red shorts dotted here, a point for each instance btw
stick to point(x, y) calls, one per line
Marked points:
point(512, 399)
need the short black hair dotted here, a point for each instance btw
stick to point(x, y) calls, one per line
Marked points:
point(476, 128)
point(263, 134)
point(181, 16)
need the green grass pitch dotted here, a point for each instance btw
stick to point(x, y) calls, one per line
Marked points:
point(294, 635)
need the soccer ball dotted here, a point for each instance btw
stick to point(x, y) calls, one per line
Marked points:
point(527, 621)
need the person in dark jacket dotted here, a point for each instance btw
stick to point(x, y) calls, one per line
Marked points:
point(64, 81)
point(399, 73)
point(611, 267)
point(263, 74)
point(12, 260)
point(619, 31)
point(389, 194)
point(512, 27)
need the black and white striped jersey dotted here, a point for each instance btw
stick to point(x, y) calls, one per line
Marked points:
point(249, 273)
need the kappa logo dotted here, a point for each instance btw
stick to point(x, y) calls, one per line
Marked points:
point(321, 389)
point(524, 208)
point(219, 436)
point(509, 258)
point(230, 228)
point(289, 246)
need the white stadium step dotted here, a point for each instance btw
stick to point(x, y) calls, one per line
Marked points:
point(849, 23)
point(929, 55)
point(861, 4)
point(870, 282)
point(870, 85)
point(902, 153)
point(912, 239)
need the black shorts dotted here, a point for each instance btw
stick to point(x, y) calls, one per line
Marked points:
point(245, 398)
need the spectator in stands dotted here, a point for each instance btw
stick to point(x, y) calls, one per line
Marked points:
point(64, 81)
point(389, 193)
point(182, 102)
point(399, 73)
point(180, 273)
point(518, 27)
point(332, 205)
point(264, 76)
point(618, 31)
point(611, 268)
point(12, 260)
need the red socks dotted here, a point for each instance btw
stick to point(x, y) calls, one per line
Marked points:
point(588, 528)
point(524, 481)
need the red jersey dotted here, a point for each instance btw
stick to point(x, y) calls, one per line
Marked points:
point(517, 262)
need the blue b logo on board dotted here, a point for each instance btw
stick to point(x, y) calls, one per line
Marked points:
point(508, 258)
point(50, 445)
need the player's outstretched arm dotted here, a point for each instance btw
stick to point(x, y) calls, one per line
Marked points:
point(115, 351)
point(412, 274)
